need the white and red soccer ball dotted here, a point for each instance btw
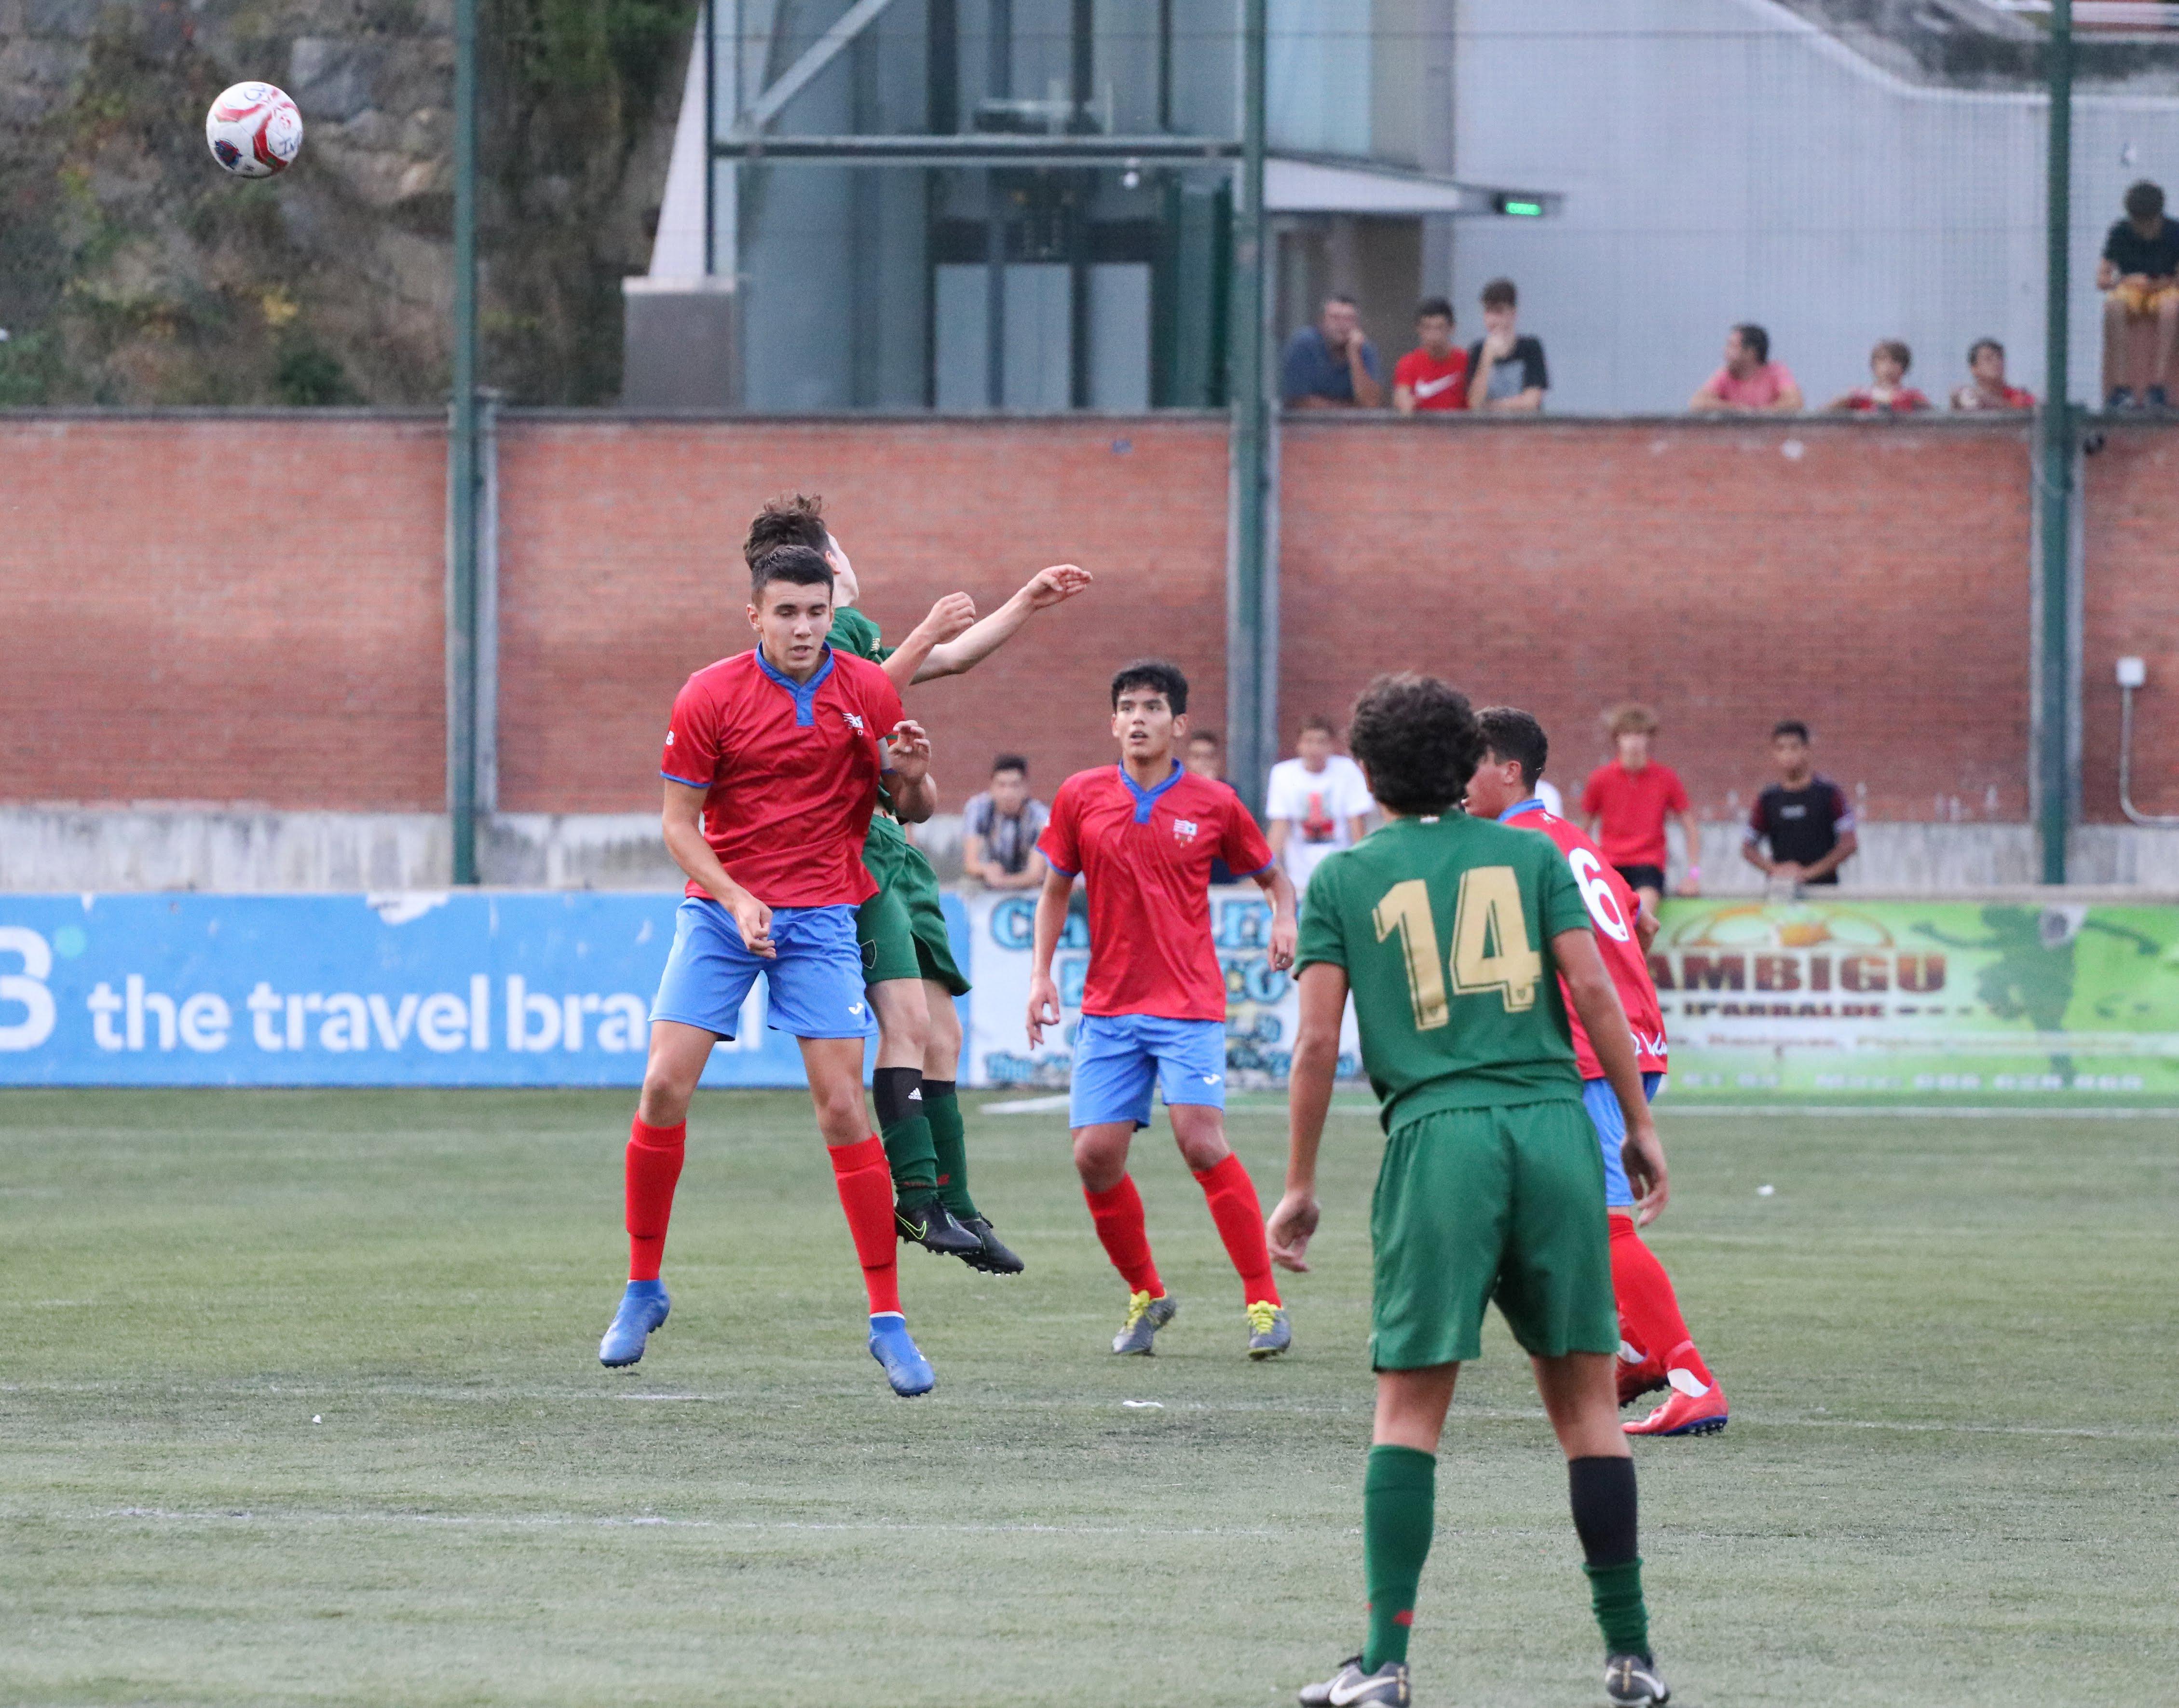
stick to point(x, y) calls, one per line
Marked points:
point(254, 130)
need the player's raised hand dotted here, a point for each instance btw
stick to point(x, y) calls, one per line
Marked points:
point(953, 615)
point(1288, 1230)
point(1055, 585)
point(1043, 1007)
point(910, 748)
point(1644, 1153)
point(753, 919)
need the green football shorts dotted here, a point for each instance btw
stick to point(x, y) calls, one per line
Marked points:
point(902, 929)
point(1476, 1204)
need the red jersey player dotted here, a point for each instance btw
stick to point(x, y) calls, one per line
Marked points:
point(1656, 1350)
point(1142, 834)
point(772, 767)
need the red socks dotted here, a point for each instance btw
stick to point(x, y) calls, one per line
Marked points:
point(1118, 1213)
point(865, 1184)
point(1650, 1318)
point(654, 1165)
point(1240, 1219)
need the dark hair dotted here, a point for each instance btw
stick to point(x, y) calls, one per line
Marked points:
point(1433, 308)
point(1511, 734)
point(1419, 740)
point(1153, 673)
point(1209, 735)
point(793, 519)
point(1754, 340)
point(1979, 345)
point(1341, 297)
point(2144, 201)
point(1896, 349)
point(1009, 762)
point(1318, 721)
point(797, 564)
point(1789, 726)
point(1500, 293)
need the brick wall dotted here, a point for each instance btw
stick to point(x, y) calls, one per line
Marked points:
point(2130, 605)
point(621, 573)
point(228, 608)
point(1873, 579)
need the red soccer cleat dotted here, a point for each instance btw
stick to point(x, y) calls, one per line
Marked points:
point(1684, 1414)
point(1646, 1375)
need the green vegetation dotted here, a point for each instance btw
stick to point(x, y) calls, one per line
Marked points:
point(300, 1404)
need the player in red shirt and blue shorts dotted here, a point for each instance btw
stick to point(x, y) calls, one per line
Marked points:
point(1142, 835)
point(771, 768)
point(1655, 1349)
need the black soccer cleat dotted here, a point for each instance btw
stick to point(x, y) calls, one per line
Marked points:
point(1632, 1681)
point(990, 1256)
point(925, 1221)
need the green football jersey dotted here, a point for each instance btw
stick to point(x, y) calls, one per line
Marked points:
point(1444, 925)
point(854, 632)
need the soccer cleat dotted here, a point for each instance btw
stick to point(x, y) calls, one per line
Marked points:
point(1350, 1686)
point(1632, 1681)
point(1270, 1334)
point(1145, 1317)
point(897, 1354)
point(925, 1221)
point(990, 1256)
point(1700, 1413)
point(643, 1307)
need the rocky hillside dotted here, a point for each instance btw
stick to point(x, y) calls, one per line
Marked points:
point(134, 271)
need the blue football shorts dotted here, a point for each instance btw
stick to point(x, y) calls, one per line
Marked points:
point(1610, 1126)
point(814, 988)
point(1117, 1056)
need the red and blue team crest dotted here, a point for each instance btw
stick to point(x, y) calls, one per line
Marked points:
point(854, 720)
point(1183, 830)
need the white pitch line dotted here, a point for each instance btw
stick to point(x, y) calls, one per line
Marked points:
point(646, 1521)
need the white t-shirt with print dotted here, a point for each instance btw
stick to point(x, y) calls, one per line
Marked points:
point(1317, 805)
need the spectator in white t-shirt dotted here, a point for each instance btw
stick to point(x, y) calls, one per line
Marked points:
point(1317, 802)
point(1000, 827)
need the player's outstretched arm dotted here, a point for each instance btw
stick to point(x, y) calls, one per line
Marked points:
point(1596, 1000)
point(954, 614)
point(1045, 588)
point(1323, 988)
point(683, 821)
point(1050, 922)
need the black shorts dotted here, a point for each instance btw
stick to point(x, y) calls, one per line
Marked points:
point(1643, 877)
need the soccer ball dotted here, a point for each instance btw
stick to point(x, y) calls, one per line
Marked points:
point(254, 130)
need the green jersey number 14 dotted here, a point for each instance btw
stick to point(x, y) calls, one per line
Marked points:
point(1490, 949)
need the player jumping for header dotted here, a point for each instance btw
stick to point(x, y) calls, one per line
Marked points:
point(1655, 1347)
point(772, 767)
point(1143, 834)
point(1490, 1184)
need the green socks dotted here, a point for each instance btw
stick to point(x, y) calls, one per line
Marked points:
point(1615, 1593)
point(950, 1142)
point(905, 1129)
point(1399, 1511)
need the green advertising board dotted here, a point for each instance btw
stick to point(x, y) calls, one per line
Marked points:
point(1845, 1001)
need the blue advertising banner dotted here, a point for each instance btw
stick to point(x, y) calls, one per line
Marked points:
point(482, 988)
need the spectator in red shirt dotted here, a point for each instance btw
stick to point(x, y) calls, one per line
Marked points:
point(1749, 383)
point(1887, 393)
point(1986, 388)
point(1433, 374)
point(1627, 803)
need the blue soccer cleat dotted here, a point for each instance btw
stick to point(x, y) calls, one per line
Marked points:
point(905, 1367)
point(643, 1307)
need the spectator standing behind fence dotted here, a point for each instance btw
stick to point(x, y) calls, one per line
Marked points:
point(2139, 276)
point(1207, 757)
point(1330, 365)
point(1627, 803)
point(999, 828)
point(1506, 369)
point(1806, 819)
point(1749, 383)
point(1887, 393)
point(1432, 377)
point(1317, 803)
point(1986, 388)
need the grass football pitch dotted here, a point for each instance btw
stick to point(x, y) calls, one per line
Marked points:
point(299, 1403)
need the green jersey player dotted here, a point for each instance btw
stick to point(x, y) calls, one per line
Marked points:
point(908, 956)
point(1452, 933)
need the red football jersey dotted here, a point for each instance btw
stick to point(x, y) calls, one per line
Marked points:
point(791, 769)
point(1437, 385)
point(1630, 806)
point(1146, 854)
point(1612, 906)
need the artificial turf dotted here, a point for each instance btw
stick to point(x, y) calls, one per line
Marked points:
point(299, 1403)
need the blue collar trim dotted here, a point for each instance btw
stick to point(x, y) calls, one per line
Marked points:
point(804, 694)
point(1147, 798)
point(1534, 803)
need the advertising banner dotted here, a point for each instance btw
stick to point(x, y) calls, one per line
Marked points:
point(1971, 1003)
